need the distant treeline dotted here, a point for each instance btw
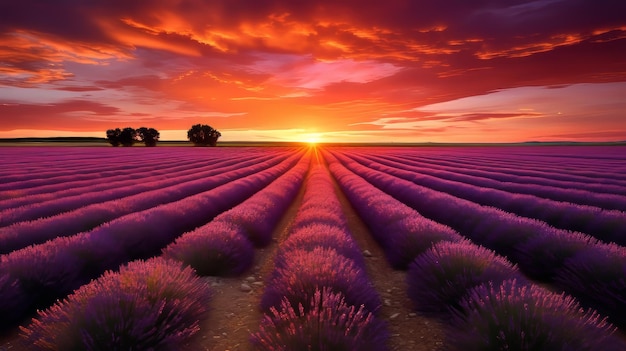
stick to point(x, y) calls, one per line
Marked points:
point(128, 136)
point(53, 140)
point(96, 140)
point(199, 135)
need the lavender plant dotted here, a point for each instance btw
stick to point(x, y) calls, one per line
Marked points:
point(597, 277)
point(542, 256)
point(320, 235)
point(304, 271)
point(544, 186)
point(493, 228)
point(147, 305)
point(411, 236)
point(89, 216)
point(41, 274)
point(319, 216)
point(218, 250)
point(327, 323)
point(401, 231)
point(513, 315)
point(604, 224)
point(56, 267)
point(150, 187)
point(259, 215)
point(12, 303)
point(441, 276)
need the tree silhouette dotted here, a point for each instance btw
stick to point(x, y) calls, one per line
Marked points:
point(203, 135)
point(128, 136)
point(113, 136)
point(148, 136)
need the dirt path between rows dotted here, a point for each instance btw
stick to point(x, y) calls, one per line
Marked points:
point(235, 304)
point(235, 314)
point(409, 330)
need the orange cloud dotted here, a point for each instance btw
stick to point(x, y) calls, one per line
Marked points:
point(350, 69)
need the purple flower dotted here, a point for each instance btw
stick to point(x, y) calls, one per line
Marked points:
point(597, 277)
point(314, 216)
point(12, 301)
point(326, 323)
point(543, 255)
point(254, 221)
point(305, 271)
point(45, 272)
point(441, 276)
point(155, 304)
point(504, 232)
point(513, 315)
point(217, 249)
point(411, 236)
point(321, 235)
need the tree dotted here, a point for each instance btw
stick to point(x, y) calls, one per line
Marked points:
point(128, 136)
point(148, 136)
point(113, 136)
point(203, 135)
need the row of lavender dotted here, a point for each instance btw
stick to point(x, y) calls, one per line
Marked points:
point(68, 194)
point(104, 171)
point(602, 223)
point(570, 163)
point(159, 304)
point(318, 296)
point(92, 208)
point(544, 171)
point(574, 262)
point(474, 290)
point(229, 248)
point(225, 246)
point(156, 304)
point(37, 275)
point(29, 168)
point(599, 176)
point(577, 263)
point(587, 192)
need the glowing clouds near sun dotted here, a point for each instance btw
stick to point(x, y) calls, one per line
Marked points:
point(349, 70)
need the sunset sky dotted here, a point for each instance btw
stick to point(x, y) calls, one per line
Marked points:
point(381, 71)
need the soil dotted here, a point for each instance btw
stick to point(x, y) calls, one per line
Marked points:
point(235, 315)
point(235, 312)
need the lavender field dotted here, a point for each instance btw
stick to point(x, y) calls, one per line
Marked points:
point(516, 248)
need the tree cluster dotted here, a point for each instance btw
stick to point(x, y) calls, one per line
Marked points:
point(128, 136)
point(198, 134)
point(203, 135)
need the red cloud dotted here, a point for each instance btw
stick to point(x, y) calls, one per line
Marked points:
point(67, 115)
point(332, 64)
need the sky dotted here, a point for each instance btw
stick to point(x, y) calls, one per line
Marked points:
point(327, 70)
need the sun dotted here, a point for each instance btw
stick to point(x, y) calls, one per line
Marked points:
point(312, 138)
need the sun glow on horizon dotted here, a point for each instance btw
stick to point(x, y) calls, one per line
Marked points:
point(313, 141)
point(312, 138)
point(315, 72)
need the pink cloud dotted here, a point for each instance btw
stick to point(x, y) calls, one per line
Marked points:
point(459, 68)
point(308, 73)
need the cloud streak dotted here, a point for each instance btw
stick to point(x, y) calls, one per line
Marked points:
point(341, 68)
